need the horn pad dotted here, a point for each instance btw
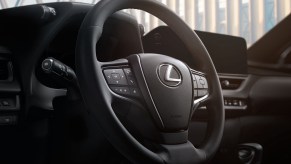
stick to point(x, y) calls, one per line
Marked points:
point(170, 84)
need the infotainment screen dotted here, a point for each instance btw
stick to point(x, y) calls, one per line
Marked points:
point(229, 53)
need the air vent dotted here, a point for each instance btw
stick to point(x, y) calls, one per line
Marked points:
point(231, 83)
point(4, 70)
point(5, 65)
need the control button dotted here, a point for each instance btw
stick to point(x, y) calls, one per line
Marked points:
point(200, 86)
point(241, 103)
point(195, 93)
point(225, 83)
point(5, 103)
point(127, 71)
point(7, 120)
point(131, 81)
point(47, 64)
point(229, 103)
point(121, 90)
point(134, 92)
point(194, 82)
point(203, 81)
point(107, 76)
point(202, 92)
point(235, 103)
point(59, 69)
point(225, 102)
point(115, 77)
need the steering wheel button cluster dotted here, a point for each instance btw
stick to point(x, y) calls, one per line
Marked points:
point(122, 81)
point(115, 77)
point(195, 86)
point(199, 82)
point(200, 85)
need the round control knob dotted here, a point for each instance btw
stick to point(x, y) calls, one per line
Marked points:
point(47, 65)
point(225, 83)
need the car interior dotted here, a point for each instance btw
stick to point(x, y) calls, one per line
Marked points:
point(83, 83)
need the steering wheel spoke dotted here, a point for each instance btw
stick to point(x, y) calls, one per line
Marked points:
point(182, 153)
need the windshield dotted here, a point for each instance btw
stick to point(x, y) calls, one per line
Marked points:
point(250, 19)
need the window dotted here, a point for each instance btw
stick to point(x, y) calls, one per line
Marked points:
point(269, 14)
point(233, 17)
point(244, 20)
point(221, 17)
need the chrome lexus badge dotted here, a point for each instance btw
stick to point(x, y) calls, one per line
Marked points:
point(169, 75)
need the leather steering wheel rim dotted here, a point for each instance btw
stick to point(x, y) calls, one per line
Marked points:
point(97, 99)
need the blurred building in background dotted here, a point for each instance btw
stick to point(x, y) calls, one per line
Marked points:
point(247, 18)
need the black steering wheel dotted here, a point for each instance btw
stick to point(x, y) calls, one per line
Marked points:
point(144, 103)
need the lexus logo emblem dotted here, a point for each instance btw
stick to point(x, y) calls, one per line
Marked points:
point(169, 75)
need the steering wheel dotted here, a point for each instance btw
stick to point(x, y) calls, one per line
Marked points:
point(155, 94)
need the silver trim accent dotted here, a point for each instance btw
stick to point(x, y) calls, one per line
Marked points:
point(147, 87)
point(200, 99)
point(196, 104)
